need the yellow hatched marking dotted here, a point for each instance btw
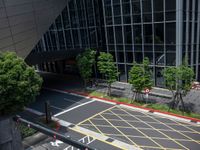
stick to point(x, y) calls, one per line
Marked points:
point(134, 121)
point(157, 138)
point(174, 129)
point(96, 127)
point(118, 146)
point(139, 131)
point(139, 127)
point(107, 113)
point(119, 131)
point(194, 131)
point(155, 116)
point(95, 115)
point(159, 148)
point(156, 130)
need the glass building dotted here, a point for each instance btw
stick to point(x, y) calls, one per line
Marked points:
point(165, 31)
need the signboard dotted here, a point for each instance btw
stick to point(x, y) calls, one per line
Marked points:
point(146, 91)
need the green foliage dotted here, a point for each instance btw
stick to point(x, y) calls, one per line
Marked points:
point(107, 68)
point(140, 76)
point(26, 131)
point(19, 83)
point(169, 75)
point(179, 78)
point(85, 62)
point(179, 81)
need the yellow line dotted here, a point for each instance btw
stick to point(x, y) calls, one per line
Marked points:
point(143, 137)
point(134, 121)
point(96, 127)
point(156, 129)
point(119, 131)
point(138, 130)
point(98, 139)
point(107, 113)
point(95, 115)
point(194, 131)
point(159, 148)
point(135, 127)
point(173, 129)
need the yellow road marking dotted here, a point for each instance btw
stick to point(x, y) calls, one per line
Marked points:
point(194, 131)
point(99, 139)
point(173, 129)
point(159, 148)
point(135, 127)
point(119, 131)
point(157, 138)
point(138, 130)
point(135, 121)
point(155, 116)
point(96, 127)
point(156, 129)
point(95, 115)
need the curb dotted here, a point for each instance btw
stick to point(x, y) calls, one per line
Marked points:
point(140, 108)
point(33, 140)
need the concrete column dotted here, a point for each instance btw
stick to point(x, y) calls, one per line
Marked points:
point(179, 31)
point(10, 138)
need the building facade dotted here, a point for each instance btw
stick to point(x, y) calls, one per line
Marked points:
point(165, 31)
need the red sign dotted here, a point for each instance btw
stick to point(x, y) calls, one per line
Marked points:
point(147, 91)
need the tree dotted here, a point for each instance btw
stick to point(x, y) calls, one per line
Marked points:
point(85, 62)
point(107, 68)
point(19, 84)
point(179, 81)
point(140, 77)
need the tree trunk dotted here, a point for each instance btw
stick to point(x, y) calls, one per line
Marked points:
point(172, 105)
point(133, 97)
point(109, 89)
point(10, 138)
point(182, 102)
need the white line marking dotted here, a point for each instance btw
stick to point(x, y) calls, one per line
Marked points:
point(73, 108)
point(113, 103)
point(134, 108)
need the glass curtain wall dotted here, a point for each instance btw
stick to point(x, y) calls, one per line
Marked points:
point(130, 30)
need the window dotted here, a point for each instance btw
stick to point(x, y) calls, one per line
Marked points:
point(110, 35)
point(146, 6)
point(170, 5)
point(171, 59)
point(137, 34)
point(127, 34)
point(117, 10)
point(120, 56)
point(147, 33)
point(129, 57)
point(170, 33)
point(126, 9)
point(159, 33)
point(118, 34)
point(158, 5)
